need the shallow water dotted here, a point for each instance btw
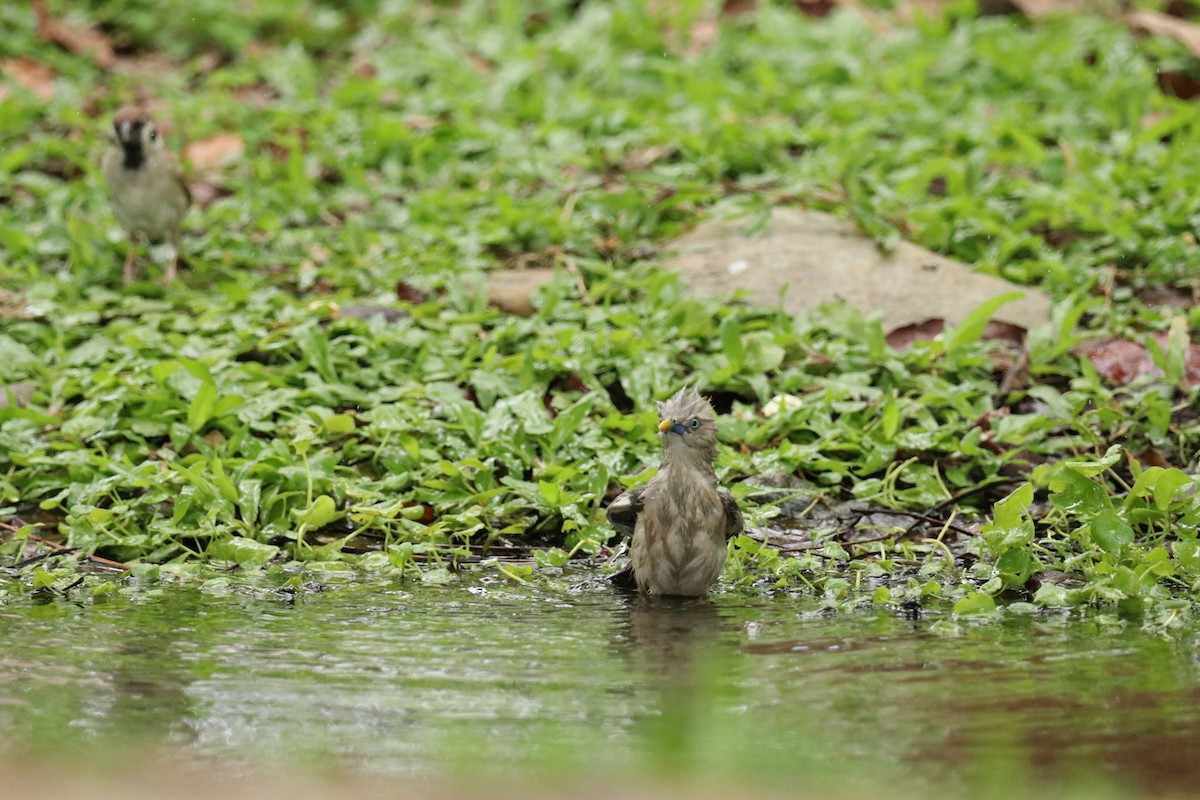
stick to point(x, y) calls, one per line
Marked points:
point(410, 681)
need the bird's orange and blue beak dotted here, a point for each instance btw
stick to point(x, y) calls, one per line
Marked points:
point(673, 426)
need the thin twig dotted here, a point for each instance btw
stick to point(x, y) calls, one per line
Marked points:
point(930, 520)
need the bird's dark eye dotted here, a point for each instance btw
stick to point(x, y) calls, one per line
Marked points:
point(153, 134)
point(695, 423)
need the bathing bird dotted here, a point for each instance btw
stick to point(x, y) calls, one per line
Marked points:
point(681, 519)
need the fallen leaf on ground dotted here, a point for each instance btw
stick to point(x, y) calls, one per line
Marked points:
point(257, 95)
point(642, 159)
point(215, 151)
point(815, 8)
point(14, 306)
point(1030, 8)
point(81, 41)
point(735, 8)
point(16, 394)
point(1168, 296)
point(513, 290)
point(1122, 361)
point(1186, 33)
point(205, 193)
point(906, 336)
point(407, 293)
point(1152, 457)
point(29, 74)
point(421, 122)
point(1176, 83)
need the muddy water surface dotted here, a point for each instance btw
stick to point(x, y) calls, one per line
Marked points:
point(403, 681)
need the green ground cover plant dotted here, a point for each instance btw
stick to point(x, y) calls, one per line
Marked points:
point(395, 153)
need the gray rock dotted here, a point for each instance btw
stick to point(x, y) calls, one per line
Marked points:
point(806, 258)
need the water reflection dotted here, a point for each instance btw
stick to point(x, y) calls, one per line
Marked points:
point(664, 637)
point(402, 680)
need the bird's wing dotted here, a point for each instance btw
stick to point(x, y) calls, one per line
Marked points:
point(733, 516)
point(178, 175)
point(624, 578)
point(623, 512)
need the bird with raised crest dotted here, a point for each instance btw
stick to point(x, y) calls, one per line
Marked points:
point(145, 185)
point(680, 520)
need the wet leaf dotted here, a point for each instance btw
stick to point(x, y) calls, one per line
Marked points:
point(322, 511)
point(245, 552)
point(974, 604)
point(1109, 531)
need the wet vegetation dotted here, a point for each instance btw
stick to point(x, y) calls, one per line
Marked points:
point(327, 385)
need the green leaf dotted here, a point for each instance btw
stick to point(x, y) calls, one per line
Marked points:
point(551, 493)
point(43, 579)
point(314, 344)
point(201, 409)
point(1011, 511)
point(320, 513)
point(731, 343)
point(339, 424)
point(568, 422)
point(1168, 486)
point(1051, 595)
point(1109, 531)
point(1077, 494)
point(249, 498)
point(1090, 468)
point(1187, 555)
point(975, 603)
point(970, 330)
point(246, 552)
point(890, 419)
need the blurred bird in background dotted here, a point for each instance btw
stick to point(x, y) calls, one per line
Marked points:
point(680, 520)
point(145, 185)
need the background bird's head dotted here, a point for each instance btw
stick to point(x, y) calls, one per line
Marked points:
point(686, 422)
point(135, 133)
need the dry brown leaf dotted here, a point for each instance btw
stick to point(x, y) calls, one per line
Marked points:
point(1174, 83)
point(205, 193)
point(1168, 296)
point(1186, 33)
point(735, 8)
point(421, 122)
point(906, 336)
point(81, 41)
point(1031, 8)
point(480, 64)
point(215, 151)
point(13, 306)
point(1122, 361)
point(1153, 457)
point(29, 74)
point(407, 293)
point(257, 95)
point(642, 159)
point(703, 35)
point(816, 8)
